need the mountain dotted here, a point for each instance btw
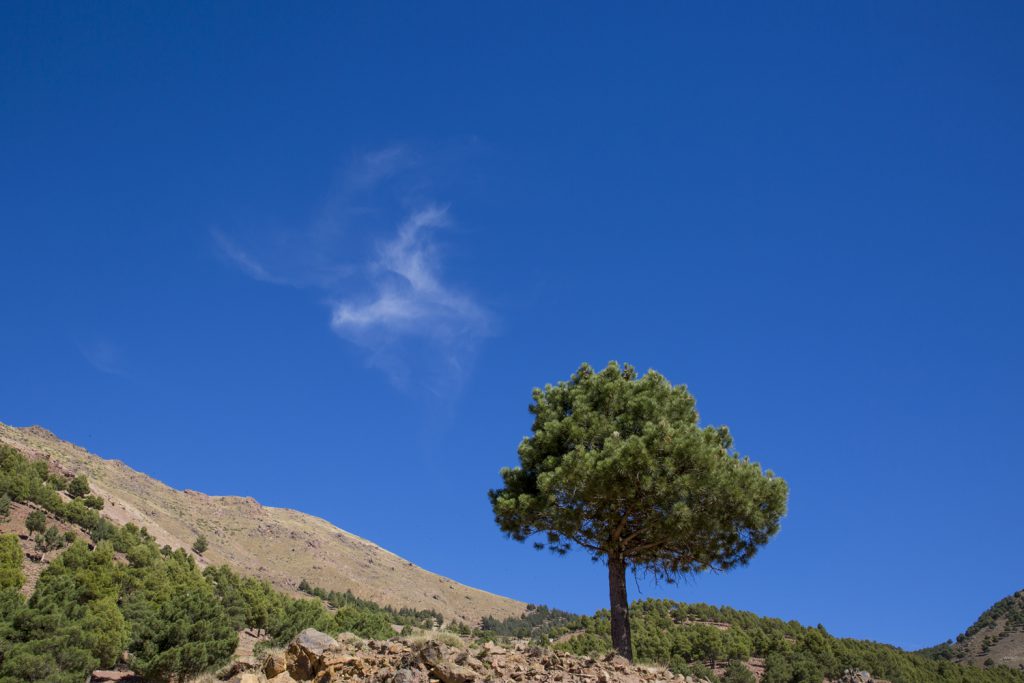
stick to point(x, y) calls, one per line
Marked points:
point(278, 545)
point(997, 637)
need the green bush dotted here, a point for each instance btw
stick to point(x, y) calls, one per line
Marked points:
point(79, 487)
point(11, 577)
point(35, 522)
point(200, 545)
point(738, 673)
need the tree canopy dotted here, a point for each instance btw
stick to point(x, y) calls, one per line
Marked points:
point(79, 487)
point(620, 466)
point(200, 545)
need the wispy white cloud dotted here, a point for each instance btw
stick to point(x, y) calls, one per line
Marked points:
point(389, 295)
point(243, 260)
point(408, 296)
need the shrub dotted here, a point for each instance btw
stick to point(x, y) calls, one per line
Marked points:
point(36, 521)
point(79, 487)
point(738, 673)
point(200, 545)
point(11, 577)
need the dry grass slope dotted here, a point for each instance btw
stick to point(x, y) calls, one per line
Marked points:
point(279, 545)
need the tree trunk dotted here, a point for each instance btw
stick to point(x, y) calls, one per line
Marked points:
point(621, 638)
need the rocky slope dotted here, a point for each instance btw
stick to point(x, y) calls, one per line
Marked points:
point(278, 545)
point(314, 656)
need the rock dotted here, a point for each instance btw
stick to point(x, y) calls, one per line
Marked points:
point(433, 653)
point(313, 656)
point(240, 665)
point(439, 659)
point(494, 649)
point(451, 672)
point(409, 676)
point(275, 664)
point(248, 677)
point(305, 652)
point(314, 641)
point(617, 662)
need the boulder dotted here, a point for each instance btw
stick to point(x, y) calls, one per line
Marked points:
point(409, 676)
point(275, 664)
point(439, 660)
point(305, 653)
point(314, 641)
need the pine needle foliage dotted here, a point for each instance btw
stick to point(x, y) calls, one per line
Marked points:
point(620, 466)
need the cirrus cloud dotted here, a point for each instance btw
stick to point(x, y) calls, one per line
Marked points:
point(394, 301)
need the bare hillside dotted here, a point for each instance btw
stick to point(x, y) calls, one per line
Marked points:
point(276, 544)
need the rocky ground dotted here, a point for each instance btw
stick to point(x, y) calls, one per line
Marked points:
point(314, 656)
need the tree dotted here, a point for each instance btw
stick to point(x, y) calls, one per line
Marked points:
point(11, 576)
point(51, 539)
point(36, 521)
point(79, 487)
point(738, 673)
point(200, 546)
point(5, 506)
point(620, 466)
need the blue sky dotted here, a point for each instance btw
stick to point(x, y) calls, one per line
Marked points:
point(321, 255)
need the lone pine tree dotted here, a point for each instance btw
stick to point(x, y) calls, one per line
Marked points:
point(620, 466)
point(200, 545)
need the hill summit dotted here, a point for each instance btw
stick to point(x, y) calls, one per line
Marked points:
point(997, 637)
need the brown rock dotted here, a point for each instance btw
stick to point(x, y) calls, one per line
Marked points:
point(240, 665)
point(275, 664)
point(315, 657)
point(305, 653)
point(248, 677)
point(494, 649)
point(409, 676)
point(439, 660)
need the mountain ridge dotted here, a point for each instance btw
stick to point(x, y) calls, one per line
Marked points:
point(280, 545)
point(996, 637)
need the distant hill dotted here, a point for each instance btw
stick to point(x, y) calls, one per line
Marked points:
point(701, 639)
point(278, 545)
point(997, 637)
